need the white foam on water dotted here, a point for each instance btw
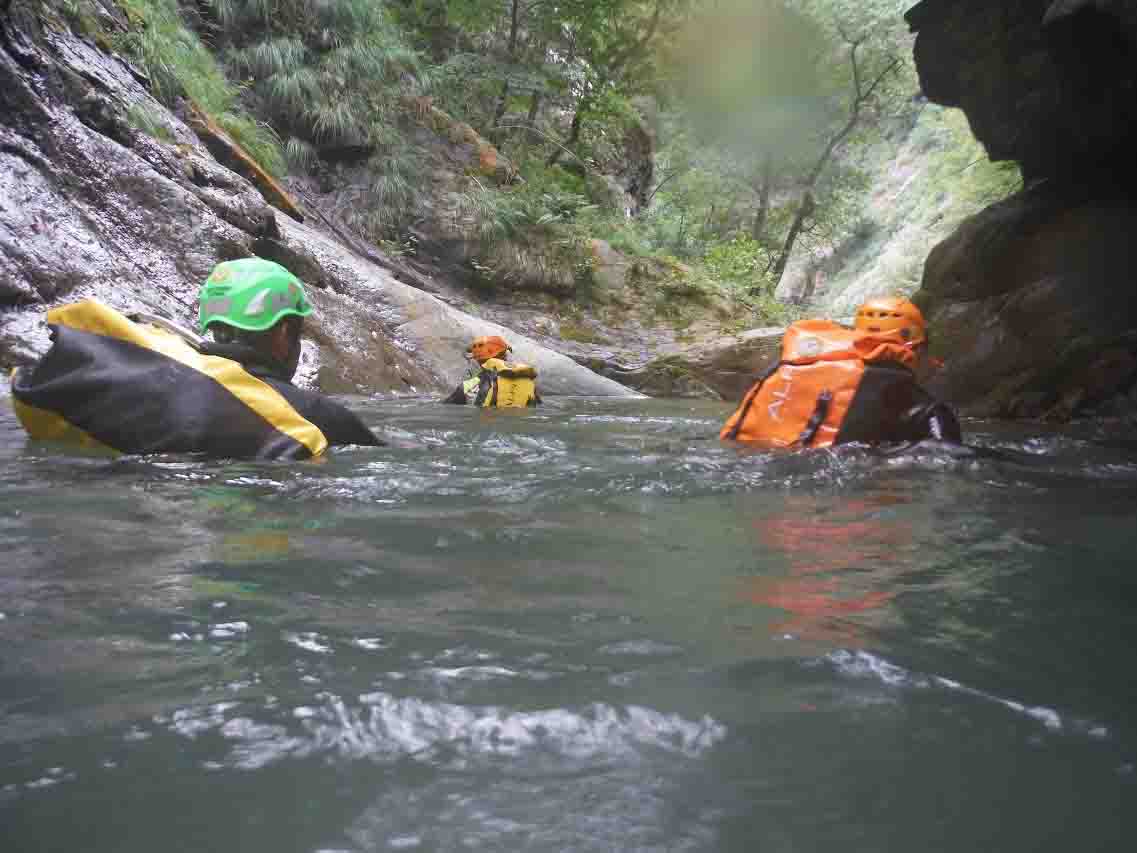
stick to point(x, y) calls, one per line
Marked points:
point(404, 842)
point(309, 641)
point(862, 664)
point(259, 744)
point(470, 673)
point(227, 630)
point(386, 728)
point(406, 725)
point(190, 722)
point(369, 644)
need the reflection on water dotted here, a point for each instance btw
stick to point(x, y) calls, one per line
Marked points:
point(589, 627)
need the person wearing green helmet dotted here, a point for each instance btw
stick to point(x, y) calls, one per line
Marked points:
point(254, 309)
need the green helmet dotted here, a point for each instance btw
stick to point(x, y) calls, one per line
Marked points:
point(251, 294)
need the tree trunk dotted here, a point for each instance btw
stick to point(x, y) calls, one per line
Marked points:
point(861, 95)
point(534, 106)
point(438, 30)
point(804, 211)
point(813, 273)
point(574, 131)
point(503, 97)
point(499, 110)
point(763, 213)
point(610, 72)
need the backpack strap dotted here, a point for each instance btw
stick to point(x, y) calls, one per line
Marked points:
point(820, 411)
point(487, 384)
point(748, 400)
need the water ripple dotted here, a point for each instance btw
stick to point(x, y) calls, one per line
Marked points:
point(861, 664)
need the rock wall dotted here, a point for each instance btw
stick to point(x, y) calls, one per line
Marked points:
point(93, 207)
point(1031, 300)
point(1048, 83)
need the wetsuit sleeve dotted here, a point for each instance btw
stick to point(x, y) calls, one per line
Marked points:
point(930, 418)
point(342, 426)
point(459, 397)
point(889, 406)
point(338, 424)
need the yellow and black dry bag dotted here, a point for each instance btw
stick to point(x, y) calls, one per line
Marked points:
point(132, 387)
point(506, 386)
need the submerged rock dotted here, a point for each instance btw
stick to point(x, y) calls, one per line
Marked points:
point(91, 206)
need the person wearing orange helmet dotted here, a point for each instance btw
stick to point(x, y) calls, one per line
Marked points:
point(895, 313)
point(835, 385)
point(494, 382)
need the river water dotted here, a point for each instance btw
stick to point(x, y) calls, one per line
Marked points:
point(591, 627)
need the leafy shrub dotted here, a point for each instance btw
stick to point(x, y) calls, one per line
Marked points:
point(741, 260)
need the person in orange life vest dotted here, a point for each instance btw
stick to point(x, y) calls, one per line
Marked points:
point(484, 386)
point(835, 385)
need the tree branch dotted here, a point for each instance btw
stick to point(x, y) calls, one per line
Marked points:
point(634, 48)
point(659, 186)
point(546, 136)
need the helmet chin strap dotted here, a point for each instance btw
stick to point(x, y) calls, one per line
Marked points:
point(286, 347)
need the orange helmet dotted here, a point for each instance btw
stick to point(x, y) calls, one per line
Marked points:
point(490, 346)
point(886, 313)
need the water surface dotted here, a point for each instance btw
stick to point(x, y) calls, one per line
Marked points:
point(591, 627)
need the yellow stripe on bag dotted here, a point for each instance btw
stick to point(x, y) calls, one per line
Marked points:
point(262, 398)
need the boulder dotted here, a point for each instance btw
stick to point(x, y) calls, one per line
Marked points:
point(719, 370)
point(1031, 300)
point(1047, 83)
point(1029, 296)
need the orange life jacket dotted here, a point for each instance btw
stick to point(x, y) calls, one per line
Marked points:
point(802, 401)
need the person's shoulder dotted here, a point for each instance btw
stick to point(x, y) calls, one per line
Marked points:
point(339, 424)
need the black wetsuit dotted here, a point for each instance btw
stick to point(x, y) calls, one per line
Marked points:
point(890, 406)
point(458, 397)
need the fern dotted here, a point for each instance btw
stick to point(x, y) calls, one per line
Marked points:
point(299, 154)
point(283, 55)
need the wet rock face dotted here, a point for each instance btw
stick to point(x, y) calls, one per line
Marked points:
point(1031, 300)
point(92, 207)
point(1051, 84)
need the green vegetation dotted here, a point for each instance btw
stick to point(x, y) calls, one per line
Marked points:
point(144, 118)
point(718, 144)
point(573, 330)
point(179, 64)
point(930, 181)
